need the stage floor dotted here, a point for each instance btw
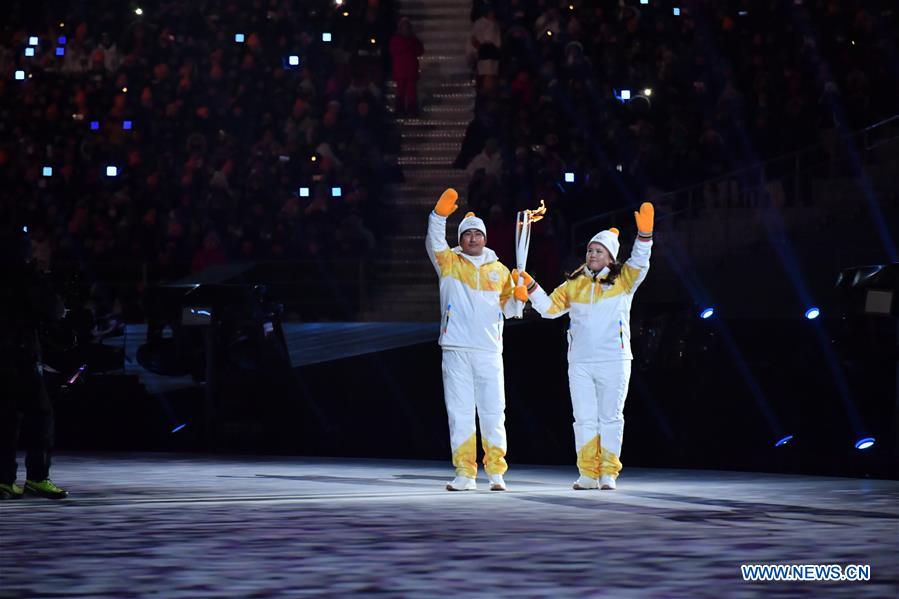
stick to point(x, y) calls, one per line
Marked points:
point(168, 526)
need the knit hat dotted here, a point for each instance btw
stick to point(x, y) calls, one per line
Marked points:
point(609, 239)
point(471, 222)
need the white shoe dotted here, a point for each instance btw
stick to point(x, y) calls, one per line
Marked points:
point(585, 483)
point(462, 483)
point(497, 483)
point(607, 482)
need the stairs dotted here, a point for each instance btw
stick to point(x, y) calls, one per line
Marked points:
point(405, 286)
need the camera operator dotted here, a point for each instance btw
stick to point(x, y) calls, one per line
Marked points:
point(26, 300)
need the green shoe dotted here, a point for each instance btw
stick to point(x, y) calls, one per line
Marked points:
point(45, 488)
point(11, 491)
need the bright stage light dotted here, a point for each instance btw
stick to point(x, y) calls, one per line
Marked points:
point(707, 313)
point(812, 313)
point(20, 75)
point(178, 428)
point(112, 171)
point(326, 37)
point(293, 60)
point(336, 192)
point(304, 192)
point(864, 443)
point(784, 441)
point(29, 51)
point(569, 177)
point(239, 38)
point(48, 171)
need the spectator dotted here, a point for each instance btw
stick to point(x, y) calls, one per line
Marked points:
point(405, 50)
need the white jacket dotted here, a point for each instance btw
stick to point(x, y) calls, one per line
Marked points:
point(473, 300)
point(600, 313)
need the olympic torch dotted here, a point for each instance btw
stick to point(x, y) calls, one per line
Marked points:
point(523, 222)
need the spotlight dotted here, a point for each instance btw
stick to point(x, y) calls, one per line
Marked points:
point(644, 1)
point(48, 171)
point(29, 51)
point(124, 90)
point(326, 37)
point(20, 75)
point(293, 60)
point(95, 125)
point(138, 11)
point(61, 40)
point(126, 125)
point(238, 37)
point(338, 2)
point(784, 441)
point(112, 171)
point(336, 192)
point(32, 41)
point(625, 95)
point(676, 12)
point(304, 192)
point(707, 313)
point(346, 14)
point(178, 428)
point(647, 92)
point(812, 313)
point(373, 41)
point(865, 443)
point(569, 177)
point(60, 51)
point(619, 168)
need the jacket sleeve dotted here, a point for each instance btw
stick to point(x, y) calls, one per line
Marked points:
point(438, 249)
point(553, 305)
point(634, 270)
point(507, 301)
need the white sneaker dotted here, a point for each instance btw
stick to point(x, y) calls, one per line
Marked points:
point(585, 483)
point(462, 483)
point(607, 482)
point(497, 483)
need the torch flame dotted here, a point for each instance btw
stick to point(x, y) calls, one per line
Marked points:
point(539, 213)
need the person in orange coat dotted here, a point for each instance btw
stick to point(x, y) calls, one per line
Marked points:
point(405, 50)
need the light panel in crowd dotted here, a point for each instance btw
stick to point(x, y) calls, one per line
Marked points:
point(95, 125)
point(20, 75)
point(812, 313)
point(676, 11)
point(32, 41)
point(326, 37)
point(644, 1)
point(293, 60)
point(569, 177)
point(48, 171)
point(304, 192)
point(784, 441)
point(62, 40)
point(336, 192)
point(126, 125)
point(60, 51)
point(112, 171)
point(707, 313)
point(29, 51)
point(625, 94)
point(239, 38)
point(647, 92)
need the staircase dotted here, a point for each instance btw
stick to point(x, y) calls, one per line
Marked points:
point(405, 287)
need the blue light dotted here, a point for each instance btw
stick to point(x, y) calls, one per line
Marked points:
point(126, 125)
point(625, 95)
point(239, 38)
point(48, 171)
point(784, 441)
point(812, 313)
point(676, 12)
point(60, 51)
point(29, 51)
point(569, 177)
point(178, 428)
point(336, 192)
point(20, 75)
point(62, 40)
point(864, 443)
point(707, 313)
point(293, 60)
point(95, 125)
point(32, 41)
point(112, 171)
point(326, 37)
point(304, 192)
point(644, 1)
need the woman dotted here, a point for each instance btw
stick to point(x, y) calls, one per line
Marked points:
point(598, 298)
point(405, 50)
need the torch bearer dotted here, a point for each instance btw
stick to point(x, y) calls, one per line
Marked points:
point(523, 221)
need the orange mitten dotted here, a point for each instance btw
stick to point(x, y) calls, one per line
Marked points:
point(521, 293)
point(645, 219)
point(446, 205)
point(527, 280)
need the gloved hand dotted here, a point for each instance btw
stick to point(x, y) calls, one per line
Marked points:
point(521, 293)
point(645, 219)
point(446, 205)
point(527, 280)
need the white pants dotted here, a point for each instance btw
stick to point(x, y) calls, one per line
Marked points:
point(473, 382)
point(598, 391)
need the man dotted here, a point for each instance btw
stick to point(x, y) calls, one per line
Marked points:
point(476, 293)
point(25, 301)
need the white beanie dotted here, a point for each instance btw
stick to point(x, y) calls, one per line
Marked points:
point(609, 239)
point(471, 222)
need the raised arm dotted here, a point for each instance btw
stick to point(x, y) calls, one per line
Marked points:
point(637, 266)
point(438, 249)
